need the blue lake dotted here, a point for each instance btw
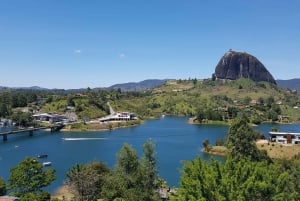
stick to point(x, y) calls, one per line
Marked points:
point(175, 141)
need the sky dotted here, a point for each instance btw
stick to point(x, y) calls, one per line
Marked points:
point(71, 44)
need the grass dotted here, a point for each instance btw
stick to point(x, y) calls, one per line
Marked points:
point(96, 126)
point(217, 151)
point(274, 150)
point(280, 151)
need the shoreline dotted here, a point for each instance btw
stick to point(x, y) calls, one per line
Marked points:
point(97, 126)
point(194, 121)
point(274, 150)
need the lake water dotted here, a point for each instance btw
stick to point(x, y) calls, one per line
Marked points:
point(175, 141)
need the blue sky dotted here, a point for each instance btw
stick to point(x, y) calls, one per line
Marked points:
point(97, 43)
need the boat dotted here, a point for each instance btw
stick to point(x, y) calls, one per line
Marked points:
point(42, 156)
point(46, 163)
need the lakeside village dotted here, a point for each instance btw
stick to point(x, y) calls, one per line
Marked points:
point(71, 121)
point(70, 118)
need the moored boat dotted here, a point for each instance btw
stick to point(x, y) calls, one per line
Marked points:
point(46, 163)
point(42, 156)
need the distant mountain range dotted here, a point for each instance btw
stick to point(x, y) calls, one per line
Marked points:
point(25, 88)
point(138, 86)
point(293, 84)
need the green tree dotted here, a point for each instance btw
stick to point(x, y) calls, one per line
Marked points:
point(148, 172)
point(2, 186)
point(29, 177)
point(205, 145)
point(242, 180)
point(133, 179)
point(86, 180)
point(124, 181)
point(43, 196)
point(246, 100)
point(22, 118)
point(241, 140)
point(4, 110)
point(270, 101)
point(272, 115)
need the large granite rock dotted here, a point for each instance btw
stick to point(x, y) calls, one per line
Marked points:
point(234, 65)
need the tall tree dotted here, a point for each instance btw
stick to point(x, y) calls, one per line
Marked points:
point(2, 186)
point(86, 180)
point(241, 140)
point(205, 144)
point(124, 181)
point(148, 172)
point(4, 110)
point(133, 179)
point(29, 176)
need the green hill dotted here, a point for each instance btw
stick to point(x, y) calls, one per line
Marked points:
point(207, 100)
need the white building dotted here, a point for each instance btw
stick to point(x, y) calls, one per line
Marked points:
point(48, 117)
point(284, 137)
point(119, 116)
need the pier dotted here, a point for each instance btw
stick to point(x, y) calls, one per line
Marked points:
point(30, 131)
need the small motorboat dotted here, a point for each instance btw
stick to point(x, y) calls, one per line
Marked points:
point(46, 163)
point(42, 156)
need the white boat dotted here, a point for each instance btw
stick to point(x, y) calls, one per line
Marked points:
point(46, 163)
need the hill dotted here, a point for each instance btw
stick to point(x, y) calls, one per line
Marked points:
point(138, 86)
point(293, 84)
point(207, 100)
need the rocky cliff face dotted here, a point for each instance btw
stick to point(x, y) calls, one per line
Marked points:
point(234, 65)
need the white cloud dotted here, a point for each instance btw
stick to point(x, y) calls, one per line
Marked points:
point(77, 51)
point(122, 56)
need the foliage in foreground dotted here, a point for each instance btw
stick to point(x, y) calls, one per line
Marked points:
point(2, 187)
point(131, 179)
point(241, 141)
point(248, 174)
point(28, 179)
point(237, 180)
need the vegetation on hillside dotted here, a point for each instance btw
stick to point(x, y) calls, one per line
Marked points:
point(28, 179)
point(206, 100)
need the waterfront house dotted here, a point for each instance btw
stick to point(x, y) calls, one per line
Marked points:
point(49, 117)
point(284, 137)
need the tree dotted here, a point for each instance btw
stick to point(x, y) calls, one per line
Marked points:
point(205, 145)
point(124, 180)
point(133, 179)
point(29, 177)
point(2, 186)
point(241, 140)
point(86, 181)
point(22, 118)
point(4, 110)
point(235, 180)
point(148, 172)
point(43, 196)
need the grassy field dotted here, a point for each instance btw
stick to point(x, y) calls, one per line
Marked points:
point(96, 126)
point(279, 151)
point(274, 150)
